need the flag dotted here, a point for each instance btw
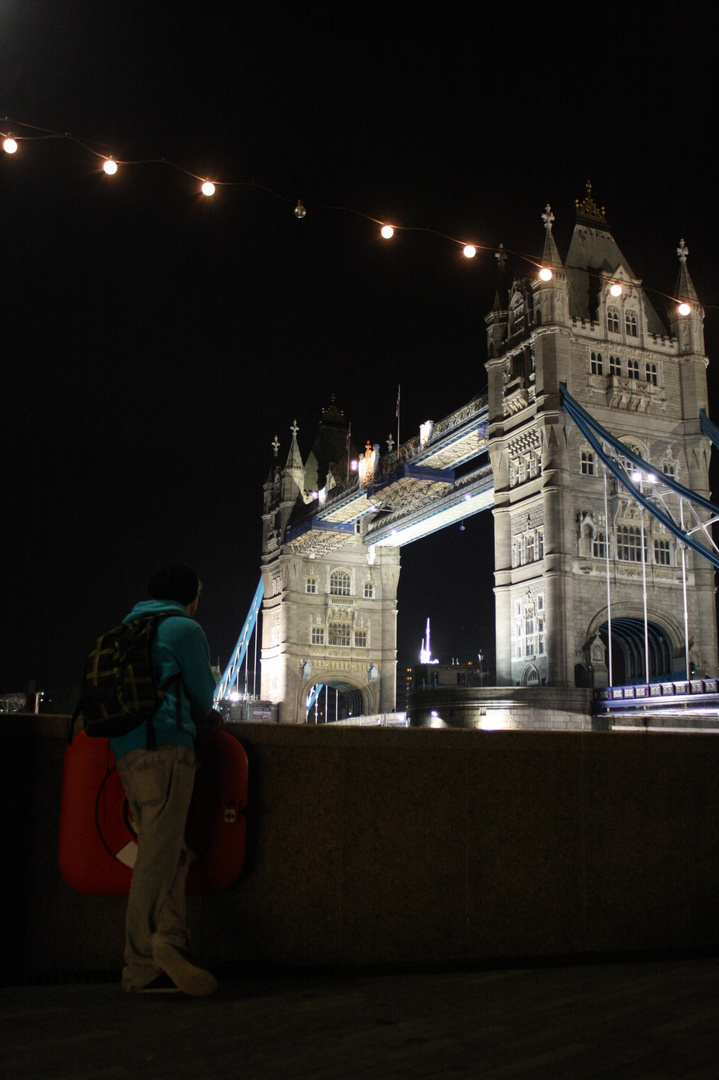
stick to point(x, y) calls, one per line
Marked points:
point(349, 436)
point(396, 411)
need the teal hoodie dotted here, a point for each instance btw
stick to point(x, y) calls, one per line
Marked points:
point(179, 646)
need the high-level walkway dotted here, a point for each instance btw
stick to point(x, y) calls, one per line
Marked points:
point(649, 1020)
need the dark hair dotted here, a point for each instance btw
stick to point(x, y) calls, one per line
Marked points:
point(174, 582)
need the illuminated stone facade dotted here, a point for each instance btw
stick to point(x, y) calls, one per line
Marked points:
point(591, 326)
point(329, 614)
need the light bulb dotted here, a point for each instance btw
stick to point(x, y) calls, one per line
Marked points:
point(300, 211)
point(110, 167)
point(469, 251)
point(208, 188)
point(685, 309)
point(545, 274)
point(387, 232)
point(9, 145)
point(616, 290)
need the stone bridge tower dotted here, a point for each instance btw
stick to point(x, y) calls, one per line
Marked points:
point(590, 325)
point(329, 614)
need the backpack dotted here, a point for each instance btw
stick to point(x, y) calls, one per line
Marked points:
point(119, 690)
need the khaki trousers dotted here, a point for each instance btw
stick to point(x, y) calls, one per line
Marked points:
point(158, 784)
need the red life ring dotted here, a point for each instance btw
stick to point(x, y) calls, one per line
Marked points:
point(98, 844)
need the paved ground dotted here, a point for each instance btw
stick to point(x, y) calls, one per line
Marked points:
point(626, 1021)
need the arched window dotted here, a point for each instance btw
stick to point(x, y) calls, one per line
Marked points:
point(597, 367)
point(340, 582)
point(631, 323)
point(633, 369)
point(651, 372)
point(361, 639)
point(613, 320)
point(587, 462)
point(311, 585)
point(368, 590)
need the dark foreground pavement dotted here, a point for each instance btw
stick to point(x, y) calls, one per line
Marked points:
point(639, 1021)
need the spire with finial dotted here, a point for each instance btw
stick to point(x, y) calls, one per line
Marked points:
point(294, 458)
point(550, 258)
point(685, 290)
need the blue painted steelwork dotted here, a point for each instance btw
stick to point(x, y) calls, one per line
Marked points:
point(231, 675)
point(595, 435)
point(313, 695)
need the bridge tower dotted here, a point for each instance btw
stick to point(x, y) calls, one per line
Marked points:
point(590, 325)
point(329, 614)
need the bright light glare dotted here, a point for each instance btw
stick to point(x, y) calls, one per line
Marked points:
point(208, 188)
point(637, 476)
point(616, 290)
point(685, 309)
point(469, 251)
point(545, 274)
point(110, 167)
point(9, 146)
point(387, 232)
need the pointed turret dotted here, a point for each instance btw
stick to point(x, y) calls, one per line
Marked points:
point(686, 318)
point(293, 474)
point(550, 258)
point(498, 317)
point(550, 290)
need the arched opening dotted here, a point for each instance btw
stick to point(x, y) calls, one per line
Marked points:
point(628, 662)
point(334, 700)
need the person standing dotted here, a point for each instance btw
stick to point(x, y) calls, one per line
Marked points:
point(158, 782)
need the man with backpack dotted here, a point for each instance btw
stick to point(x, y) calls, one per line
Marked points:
point(156, 761)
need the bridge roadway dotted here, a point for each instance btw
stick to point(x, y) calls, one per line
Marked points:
point(417, 489)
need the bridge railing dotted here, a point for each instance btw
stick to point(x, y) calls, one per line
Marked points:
point(641, 695)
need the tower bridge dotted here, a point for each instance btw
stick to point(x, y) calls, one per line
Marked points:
point(589, 447)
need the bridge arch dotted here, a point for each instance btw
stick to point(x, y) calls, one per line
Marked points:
point(664, 636)
point(349, 697)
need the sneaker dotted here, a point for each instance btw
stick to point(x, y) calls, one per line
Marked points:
point(161, 984)
point(186, 976)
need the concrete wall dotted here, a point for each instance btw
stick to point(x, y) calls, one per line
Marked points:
point(381, 846)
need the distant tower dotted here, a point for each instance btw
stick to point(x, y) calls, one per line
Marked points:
point(590, 325)
point(329, 615)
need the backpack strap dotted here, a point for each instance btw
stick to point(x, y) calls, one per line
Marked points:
point(177, 679)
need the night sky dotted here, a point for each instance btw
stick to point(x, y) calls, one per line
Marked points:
point(155, 341)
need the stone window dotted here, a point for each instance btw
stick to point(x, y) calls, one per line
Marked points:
point(339, 634)
point(587, 462)
point(597, 367)
point(311, 585)
point(633, 369)
point(615, 365)
point(340, 583)
point(599, 546)
point(361, 639)
point(662, 553)
point(651, 373)
point(613, 320)
point(318, 635)
point(629, 543)
point(669, 469)
point(368, 590)
point(631, 323)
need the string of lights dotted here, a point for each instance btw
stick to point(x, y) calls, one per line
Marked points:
point(110, 165)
